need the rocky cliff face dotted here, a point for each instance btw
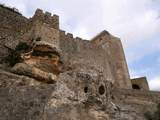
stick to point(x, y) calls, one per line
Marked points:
point(23, 98)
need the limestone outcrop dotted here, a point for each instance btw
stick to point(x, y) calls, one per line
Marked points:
point(22, 97)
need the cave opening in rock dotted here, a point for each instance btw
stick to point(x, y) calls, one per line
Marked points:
point(101, 90)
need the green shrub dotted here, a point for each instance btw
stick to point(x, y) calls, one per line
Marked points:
point(14, 56)
point(22, 46)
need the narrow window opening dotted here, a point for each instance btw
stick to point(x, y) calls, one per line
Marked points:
point(85, 89)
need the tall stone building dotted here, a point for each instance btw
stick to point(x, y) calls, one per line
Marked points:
point(62, 78)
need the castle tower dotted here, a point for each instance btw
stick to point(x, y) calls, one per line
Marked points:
point(46, 31)
point(118, 65)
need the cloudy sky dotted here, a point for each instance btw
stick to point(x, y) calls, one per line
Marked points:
point(136, 22)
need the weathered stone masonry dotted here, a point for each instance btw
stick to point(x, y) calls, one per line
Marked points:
point(104, 51)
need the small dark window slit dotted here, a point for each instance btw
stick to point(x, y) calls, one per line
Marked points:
point(85, 89)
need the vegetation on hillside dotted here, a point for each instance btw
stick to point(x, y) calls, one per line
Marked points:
point(14, 56)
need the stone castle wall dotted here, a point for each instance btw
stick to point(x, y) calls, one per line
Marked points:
point(11, 22)
point(140, 83)
point(48, 36)
point(78, 52)
point(40, 16)
point(15, 28)
point(100, 52)
point(11, 26)
point(113, 47)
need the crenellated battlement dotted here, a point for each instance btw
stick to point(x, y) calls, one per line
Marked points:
point(66, 34)
point(78, 38)
point(62, 32)
point(48, 18)
point(70, 36)
point(11, 9)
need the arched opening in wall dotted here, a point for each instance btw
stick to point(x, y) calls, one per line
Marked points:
point(101, 90)
point(134, 86)
point(85, 89)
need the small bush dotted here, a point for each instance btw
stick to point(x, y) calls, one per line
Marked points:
point(14, 56)
point(22, 47)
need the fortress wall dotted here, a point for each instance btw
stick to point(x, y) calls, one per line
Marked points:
point(51, 20)
point(66, 42)
point(140, 83)
point(67, 45)
point(81, 52)
point(102, 52)
point(47, 35)
point(123, 78)
point(116, 58)
point(11, 26)
point(44, 26)
point(11, 20)
point(18, 28)
point(103, 41)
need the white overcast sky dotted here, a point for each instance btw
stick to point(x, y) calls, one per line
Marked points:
point(136, 22)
